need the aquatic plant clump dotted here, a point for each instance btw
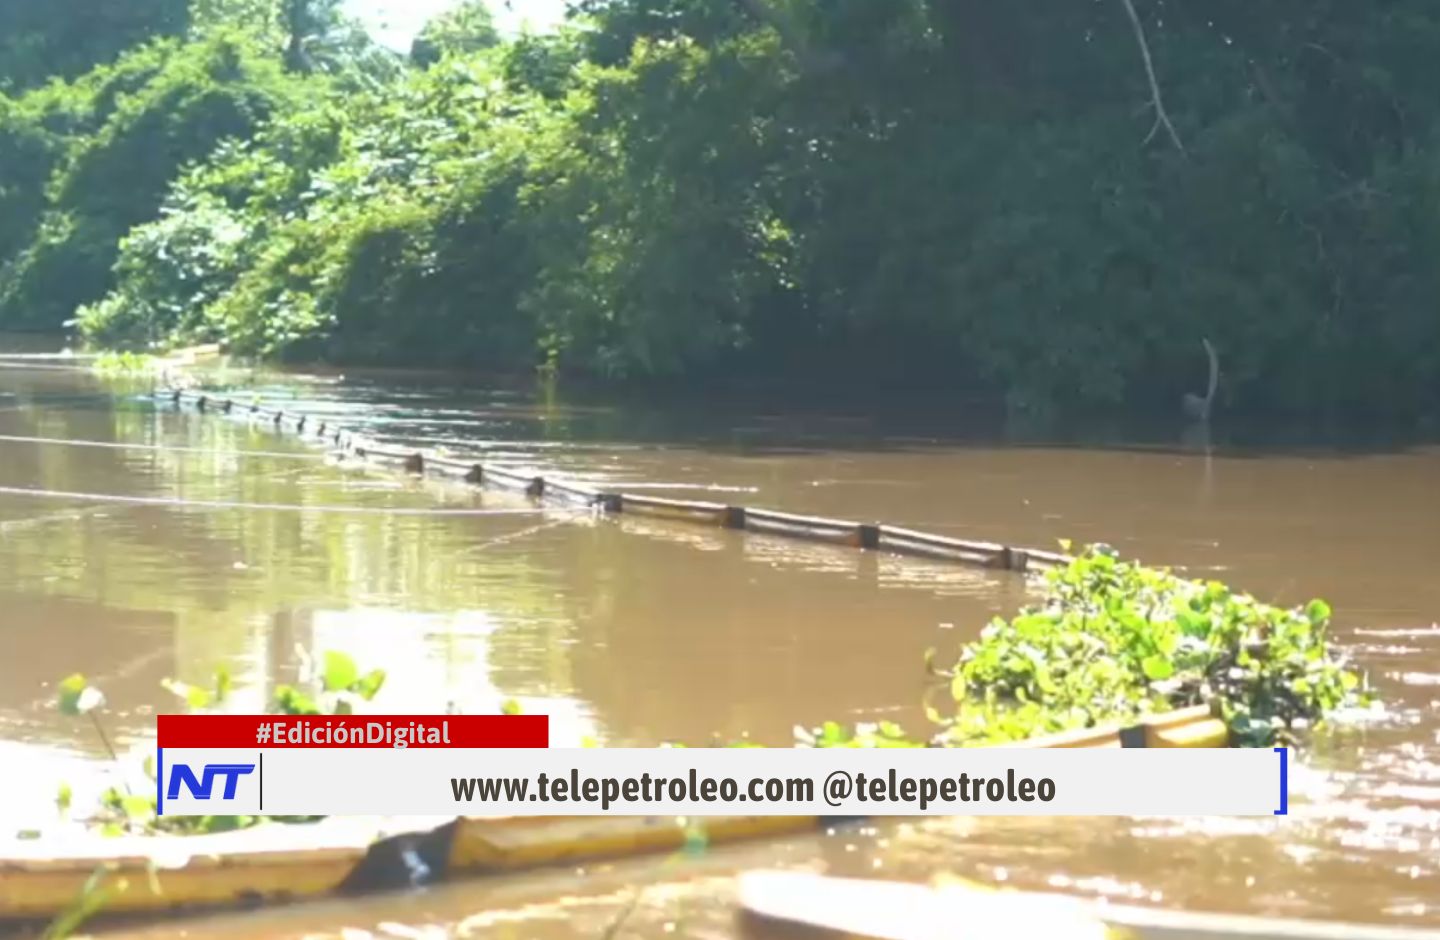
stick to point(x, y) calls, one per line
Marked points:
point(336, 686)
point(1113, 641)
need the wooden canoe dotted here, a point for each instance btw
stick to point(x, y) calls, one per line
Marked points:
point(860, 909)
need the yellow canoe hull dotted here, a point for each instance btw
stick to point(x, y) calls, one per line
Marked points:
point(486, 846)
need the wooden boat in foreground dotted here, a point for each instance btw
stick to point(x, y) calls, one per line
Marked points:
point(859, 909)
point(274, 864)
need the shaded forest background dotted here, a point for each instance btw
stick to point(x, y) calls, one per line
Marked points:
point(951, 194)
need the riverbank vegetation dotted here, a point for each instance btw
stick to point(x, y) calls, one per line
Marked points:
point(963, 196)
point(1112, 641)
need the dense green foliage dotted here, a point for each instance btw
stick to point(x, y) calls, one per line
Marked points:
point(44, 39)
point(959, 194)
point(182, 102)
point(466, 29)
point(1112, 641)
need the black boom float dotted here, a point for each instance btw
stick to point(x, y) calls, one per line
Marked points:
point(867, 536)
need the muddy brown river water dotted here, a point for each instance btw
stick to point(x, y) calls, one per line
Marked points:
point(637, 632)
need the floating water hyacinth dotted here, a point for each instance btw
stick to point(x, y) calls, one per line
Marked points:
point(1113, 641)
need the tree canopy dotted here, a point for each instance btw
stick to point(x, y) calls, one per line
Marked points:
point(1052, 202)
point(463, 30)
point(44, 39)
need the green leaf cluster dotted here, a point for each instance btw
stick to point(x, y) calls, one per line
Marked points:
point(326, 231)
point(66, 38)
point(465, 28)
point(342, 688)
point(1113, 641)
point(100, 154)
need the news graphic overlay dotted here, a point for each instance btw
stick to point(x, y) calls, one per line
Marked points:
point(493, 765)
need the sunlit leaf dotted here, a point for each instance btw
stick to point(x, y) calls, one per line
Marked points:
point(369, 685)
point(1157, 668)
point(340, 672)
point(69, 691)
point(138, 808)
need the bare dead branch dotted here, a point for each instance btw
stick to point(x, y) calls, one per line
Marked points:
point(1157, 100)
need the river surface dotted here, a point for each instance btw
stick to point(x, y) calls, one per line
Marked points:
point(637, 632)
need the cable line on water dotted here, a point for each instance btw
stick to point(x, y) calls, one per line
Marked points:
point(509, 537)
point(180, 503)
point(166, 448)
point(38, 367)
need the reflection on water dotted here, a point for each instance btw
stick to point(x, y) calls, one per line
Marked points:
point(614, 630)
point(639, 631)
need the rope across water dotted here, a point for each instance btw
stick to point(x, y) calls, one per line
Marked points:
point(180, 503)
point(161, 448)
